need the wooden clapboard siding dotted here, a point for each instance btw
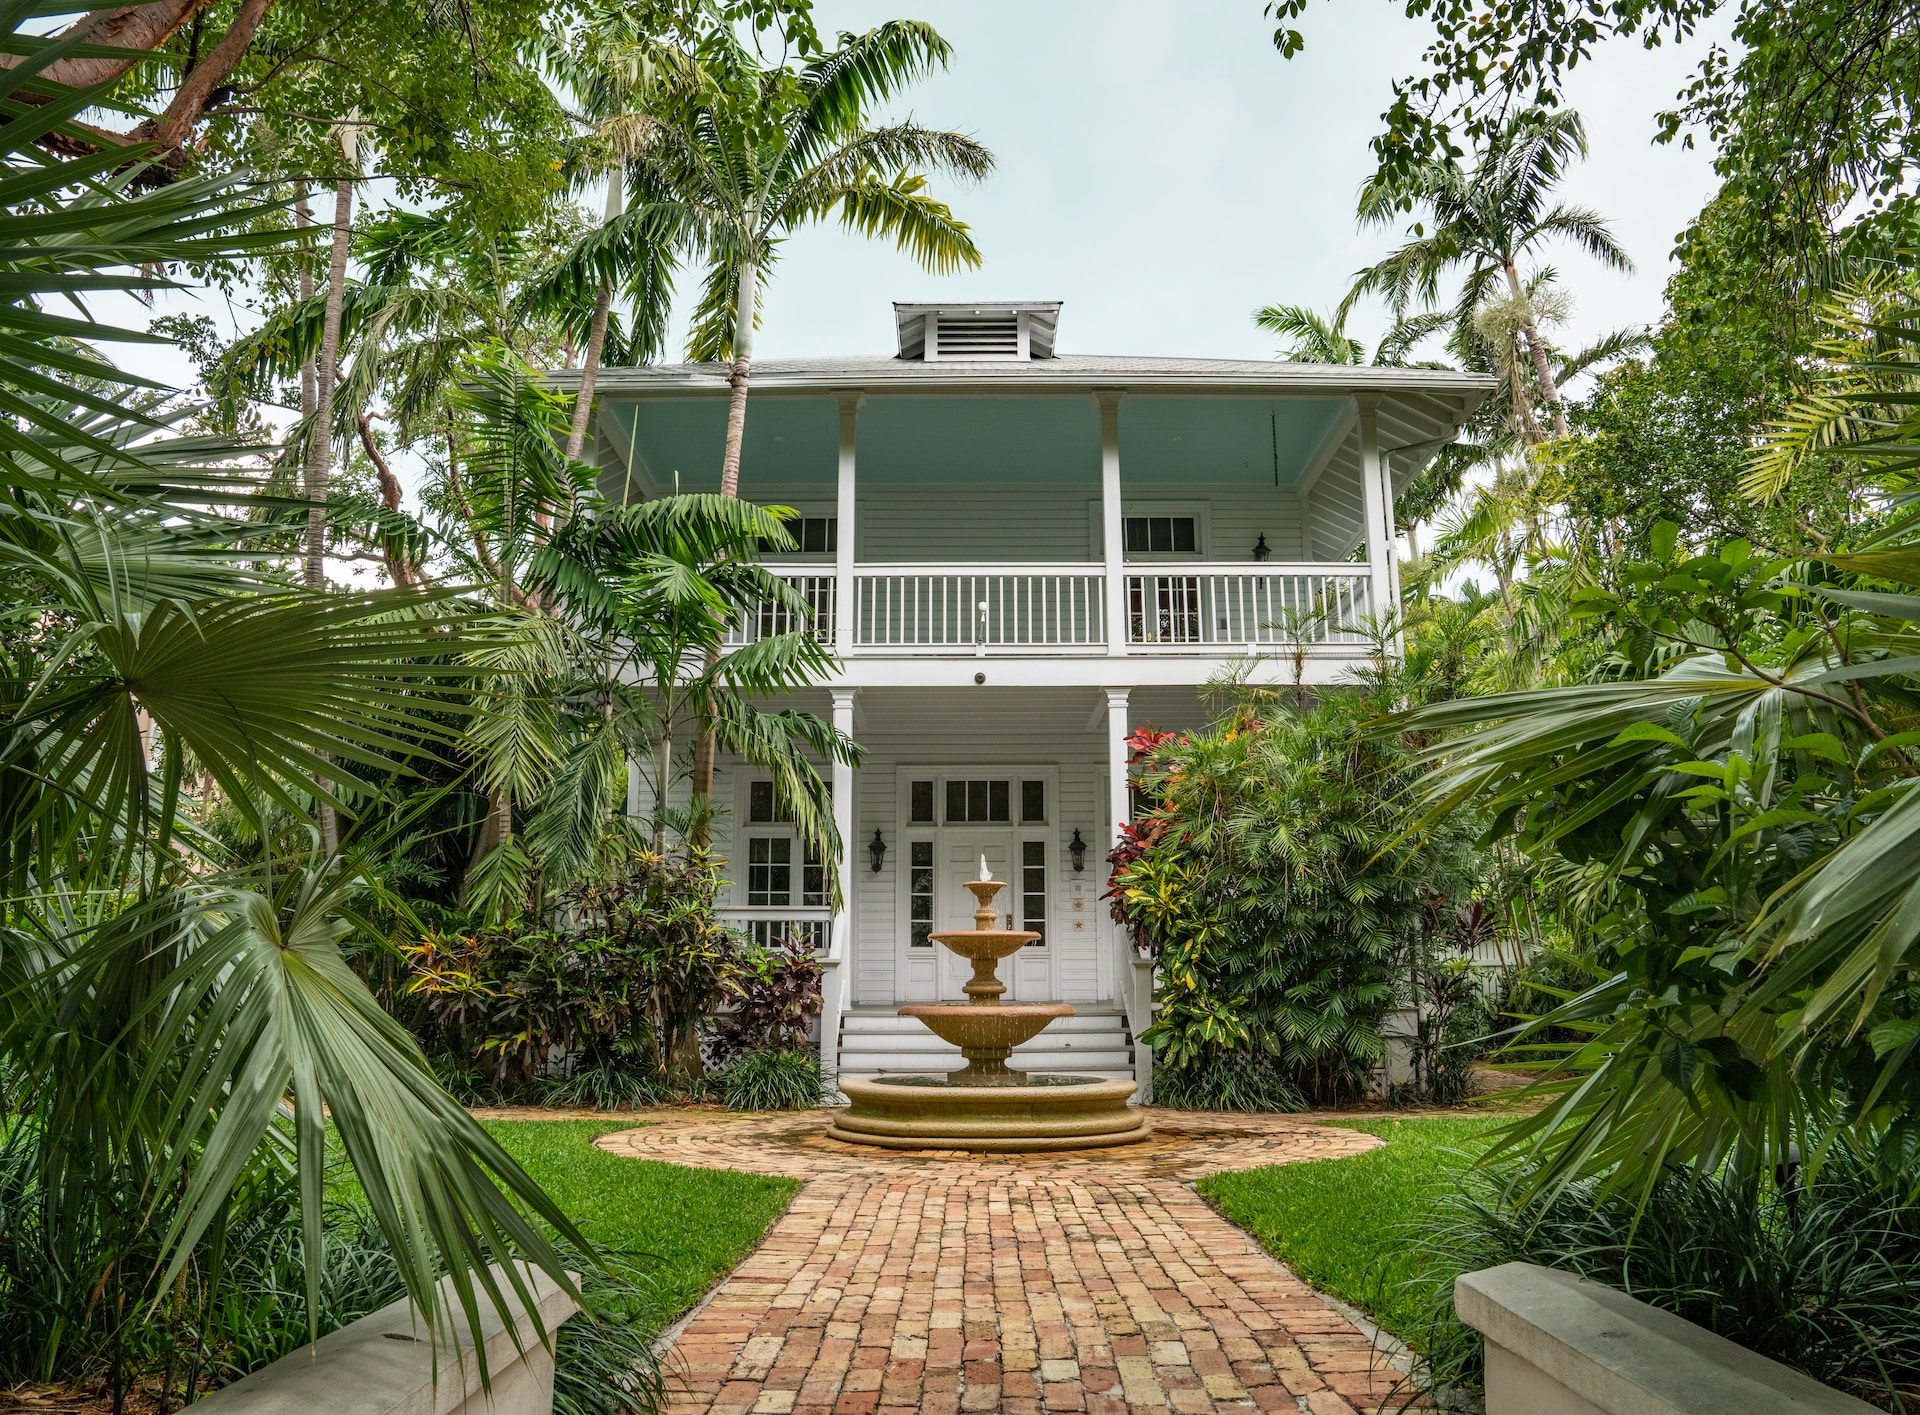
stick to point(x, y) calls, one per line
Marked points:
point(1061, 523)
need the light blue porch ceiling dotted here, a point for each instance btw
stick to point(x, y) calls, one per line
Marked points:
point(992, 440)
point(789, 442)
point(1224, 438)
point(792, 442)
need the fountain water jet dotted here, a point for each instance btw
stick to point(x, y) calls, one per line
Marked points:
point(986, 1104)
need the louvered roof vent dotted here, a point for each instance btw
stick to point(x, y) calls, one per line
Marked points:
point(975, 333)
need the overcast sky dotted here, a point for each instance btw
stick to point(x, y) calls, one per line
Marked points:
point(1165, 172)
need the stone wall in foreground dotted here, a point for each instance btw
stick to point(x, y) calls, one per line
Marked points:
point(385, 1364)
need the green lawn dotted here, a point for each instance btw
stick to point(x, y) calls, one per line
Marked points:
point(691, 1225)
point(1342, 1224)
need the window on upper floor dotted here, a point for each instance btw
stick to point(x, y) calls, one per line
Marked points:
point(812, 535)
point(1162, 535)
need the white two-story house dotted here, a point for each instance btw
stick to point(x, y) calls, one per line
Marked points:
point(1019, 555)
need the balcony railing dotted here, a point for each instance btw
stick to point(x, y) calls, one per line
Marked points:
point(1062, 608)
point(1228, 606)
point(770, 928)
point(821, 592)
point(975, 607)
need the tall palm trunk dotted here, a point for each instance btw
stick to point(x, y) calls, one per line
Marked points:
point(1549, 390)
point(737, 378)
point(743, 311)
point(320, 446)
point(303, 215)
point(596, 336)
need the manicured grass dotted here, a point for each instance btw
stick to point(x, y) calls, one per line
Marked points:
point(1343, 1224)
point(688, 1226)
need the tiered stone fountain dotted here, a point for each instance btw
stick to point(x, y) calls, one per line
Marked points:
point(987, 1105)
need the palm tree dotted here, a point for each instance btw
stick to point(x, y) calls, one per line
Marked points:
point(157, 997)
point(1489, 219)
point(752, 153)
point(1318, 339)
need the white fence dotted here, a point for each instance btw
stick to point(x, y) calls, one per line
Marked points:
point(822, 594)
point(770, 927)
point(1228, 606)
point(977, 606)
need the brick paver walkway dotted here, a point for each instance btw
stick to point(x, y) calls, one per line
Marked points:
point(1096, 1282)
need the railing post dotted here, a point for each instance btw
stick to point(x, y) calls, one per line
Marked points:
point(845, 608)
point(833, 971)
point(1112, 538)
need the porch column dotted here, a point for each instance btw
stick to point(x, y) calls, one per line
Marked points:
point(1112, 541)
point(845, 605)
point(833, 973)
point(1378, 501)
point(1132, 978)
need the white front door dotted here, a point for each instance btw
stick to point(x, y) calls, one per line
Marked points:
point(1021, 862)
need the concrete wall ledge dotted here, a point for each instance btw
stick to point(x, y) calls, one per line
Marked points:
point(1560, 1345)
point(384, 1364)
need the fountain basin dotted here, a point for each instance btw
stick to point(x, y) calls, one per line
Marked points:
point(986, 1036)
point(1045, 1112)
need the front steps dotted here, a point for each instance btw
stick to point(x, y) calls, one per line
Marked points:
point(876, 1041)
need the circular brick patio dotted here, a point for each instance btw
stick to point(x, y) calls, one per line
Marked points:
point(930, 1281)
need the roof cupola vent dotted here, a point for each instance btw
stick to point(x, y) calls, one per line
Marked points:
point(1009, 333)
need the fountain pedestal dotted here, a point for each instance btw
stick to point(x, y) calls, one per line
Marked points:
point(986, 1104)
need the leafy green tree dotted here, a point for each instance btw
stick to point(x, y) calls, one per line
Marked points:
point(1808, 109)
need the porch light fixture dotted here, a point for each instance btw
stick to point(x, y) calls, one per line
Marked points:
point(1261, 550)
point(1078, 849)
point(877, 848)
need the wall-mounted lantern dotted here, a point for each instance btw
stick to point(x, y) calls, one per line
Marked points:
point(877, 848)
point(1261, 550)
point(1078, 849)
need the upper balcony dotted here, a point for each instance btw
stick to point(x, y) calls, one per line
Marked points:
point(1057, 508)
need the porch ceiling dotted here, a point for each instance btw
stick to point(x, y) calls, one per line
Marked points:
point(792, 441)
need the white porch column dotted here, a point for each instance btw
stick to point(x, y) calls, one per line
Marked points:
point(1112, 541)
point(833, 978)
point(845, 605)
point(1132, 978)
point(1378, 498)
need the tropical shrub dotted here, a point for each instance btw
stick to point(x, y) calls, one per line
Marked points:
point(611, 990)
point(1271, 881)
point(776, 1001)
point(773, 1078)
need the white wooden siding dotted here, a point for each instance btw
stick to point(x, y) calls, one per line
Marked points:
point(1061, 523)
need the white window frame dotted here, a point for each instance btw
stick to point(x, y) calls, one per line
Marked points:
point(1200, 511)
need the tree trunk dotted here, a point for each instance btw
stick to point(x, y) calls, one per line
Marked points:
point(737, 379)
point(1549, 390)
point(173, 127)
point(309, 396)
point(596, 337)
point(743, 310)
point(399, 568)
point(320, 447)
point(327, 373)
point(138, 29)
